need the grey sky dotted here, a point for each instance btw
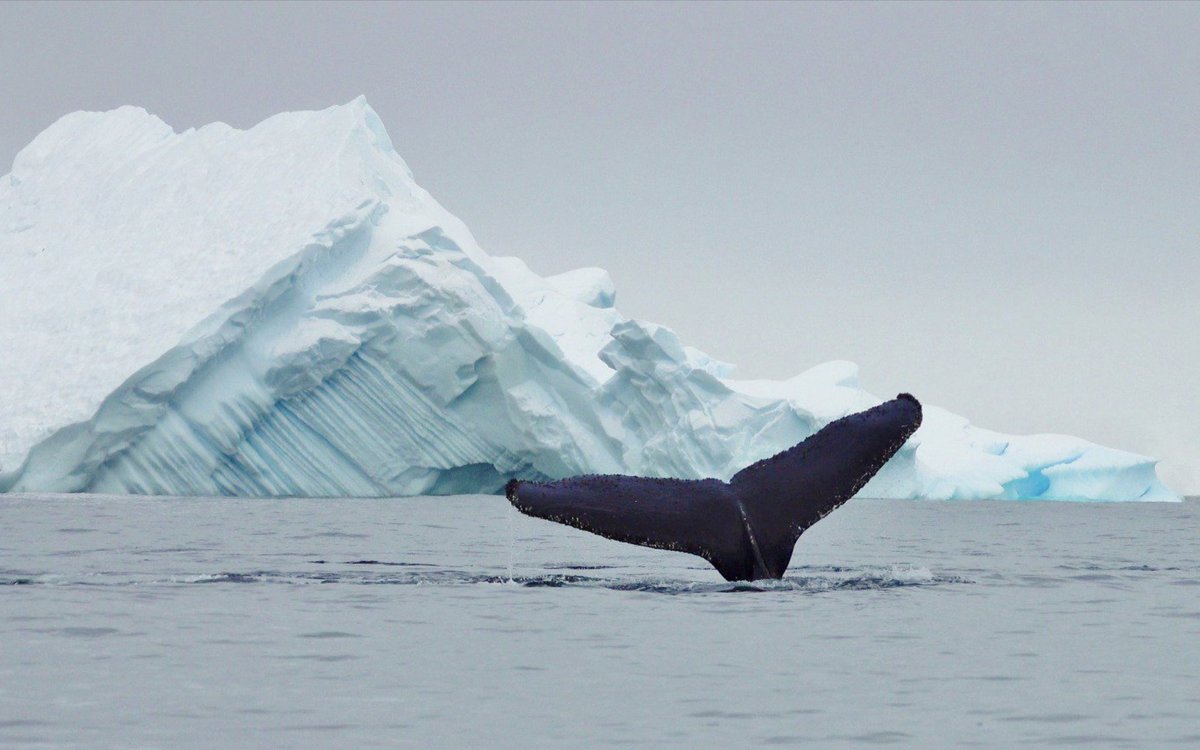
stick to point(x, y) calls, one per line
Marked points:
point(996, 207)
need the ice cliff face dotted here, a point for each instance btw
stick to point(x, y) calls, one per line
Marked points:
point(283, 311)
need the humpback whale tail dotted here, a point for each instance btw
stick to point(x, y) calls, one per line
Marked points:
point(747, 527)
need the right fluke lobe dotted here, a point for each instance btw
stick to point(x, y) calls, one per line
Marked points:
point(745, 528)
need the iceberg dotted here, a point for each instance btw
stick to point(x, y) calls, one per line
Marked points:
point(283, 311)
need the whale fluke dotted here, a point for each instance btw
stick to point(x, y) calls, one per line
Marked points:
point(747, 527)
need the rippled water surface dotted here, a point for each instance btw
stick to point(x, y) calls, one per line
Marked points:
point(455, 622)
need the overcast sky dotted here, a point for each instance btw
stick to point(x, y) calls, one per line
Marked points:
point(996, 207)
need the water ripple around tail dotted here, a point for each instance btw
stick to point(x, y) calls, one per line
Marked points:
point(808, 580)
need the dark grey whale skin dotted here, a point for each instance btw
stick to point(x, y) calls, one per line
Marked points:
point(746, 527)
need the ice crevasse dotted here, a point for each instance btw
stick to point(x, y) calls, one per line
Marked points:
point(282, 311)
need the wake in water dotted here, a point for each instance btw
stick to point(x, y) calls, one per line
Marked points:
point(811, 579)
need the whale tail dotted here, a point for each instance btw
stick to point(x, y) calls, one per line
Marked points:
point(747, 527)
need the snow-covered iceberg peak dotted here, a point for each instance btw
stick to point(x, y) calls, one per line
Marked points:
point(283, 311)
point(119, 235)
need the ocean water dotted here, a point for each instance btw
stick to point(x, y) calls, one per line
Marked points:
point(457, 623)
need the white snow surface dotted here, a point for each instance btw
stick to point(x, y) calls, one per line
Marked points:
point(283, 311)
